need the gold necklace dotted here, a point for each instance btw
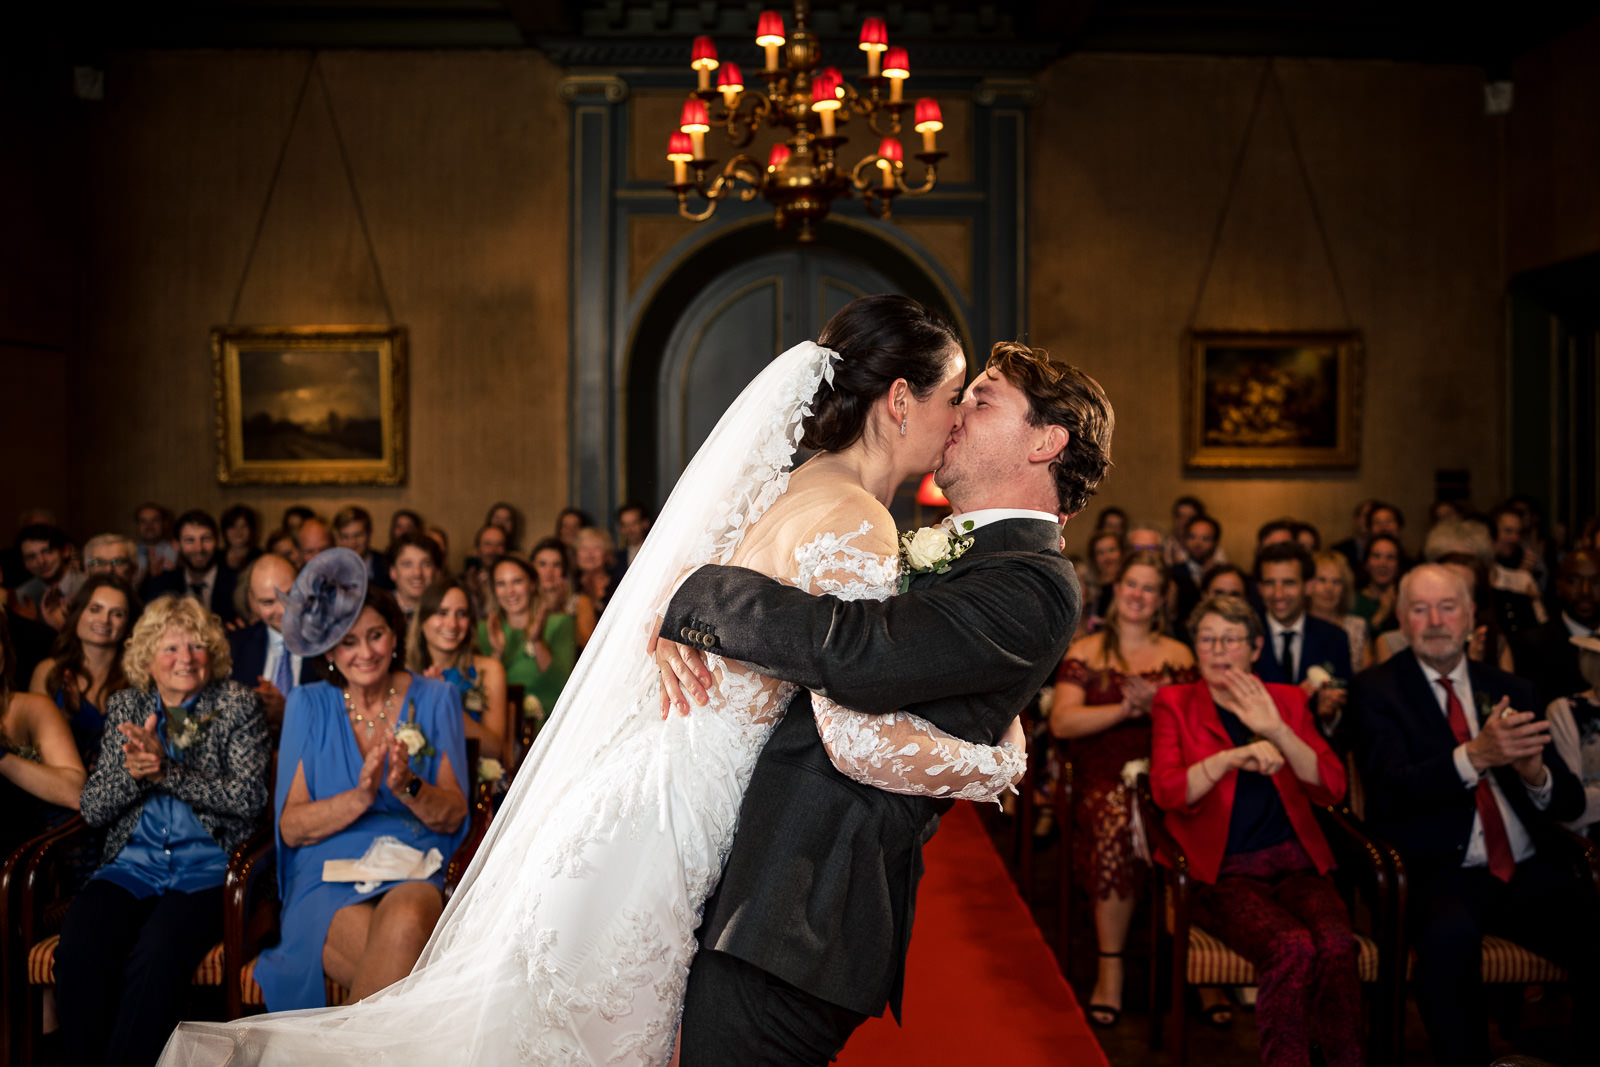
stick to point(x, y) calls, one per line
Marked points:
point(382, 716)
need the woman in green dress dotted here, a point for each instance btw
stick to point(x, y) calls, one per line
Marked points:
point(529, 628)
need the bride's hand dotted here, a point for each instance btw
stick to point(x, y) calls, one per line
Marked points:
point(683, 672)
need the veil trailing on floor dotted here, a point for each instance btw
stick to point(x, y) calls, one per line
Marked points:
point(440, 1013)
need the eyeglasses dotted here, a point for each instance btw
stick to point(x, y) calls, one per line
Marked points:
point(1229, 641)
point(118, 564)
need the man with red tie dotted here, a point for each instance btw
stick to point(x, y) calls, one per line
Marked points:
point(1461, 775)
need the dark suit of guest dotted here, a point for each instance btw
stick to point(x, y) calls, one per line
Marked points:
point(1186, 590)
point(820, 885)
point(176, 583)
point(1255, 846)
point(1547, 657)
point(1418, 800)
point(249, 649)
point(378, 570)
point(1319, 643)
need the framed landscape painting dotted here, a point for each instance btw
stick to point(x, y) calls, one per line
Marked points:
point(1286, 400)
point(310, 405)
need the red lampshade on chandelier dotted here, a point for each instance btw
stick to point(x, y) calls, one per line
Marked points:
point(802, 177)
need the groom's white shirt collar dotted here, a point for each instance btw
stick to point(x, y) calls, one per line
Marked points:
point(984, 516)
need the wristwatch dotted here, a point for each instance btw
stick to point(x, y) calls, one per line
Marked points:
point(414, 787)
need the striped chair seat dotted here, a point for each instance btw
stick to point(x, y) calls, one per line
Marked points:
point(1213, 963)
point(42, 971)
point(250, 989)
point(1508, 963)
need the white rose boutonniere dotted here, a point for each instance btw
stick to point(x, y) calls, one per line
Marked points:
point(184, 730)
point(490, 770)
point(411, 735)
point(932, 549)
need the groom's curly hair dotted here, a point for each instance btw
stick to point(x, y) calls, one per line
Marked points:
point(1060, 394)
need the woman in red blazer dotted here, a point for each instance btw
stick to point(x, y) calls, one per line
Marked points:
point(1237, 765)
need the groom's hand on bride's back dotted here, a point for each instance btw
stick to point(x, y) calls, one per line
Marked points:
point(684, 674)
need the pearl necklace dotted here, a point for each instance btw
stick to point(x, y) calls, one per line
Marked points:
point(382, 716)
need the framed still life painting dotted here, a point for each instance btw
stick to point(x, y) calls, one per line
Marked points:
point(310, 405)
point(1284, 400)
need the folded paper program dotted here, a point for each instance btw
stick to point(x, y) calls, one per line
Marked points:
point(386, 860)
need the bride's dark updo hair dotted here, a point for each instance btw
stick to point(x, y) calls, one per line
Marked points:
point(879, 339)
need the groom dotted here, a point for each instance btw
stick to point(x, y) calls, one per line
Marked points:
point(806, 936)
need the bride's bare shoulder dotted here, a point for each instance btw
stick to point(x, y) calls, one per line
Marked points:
point(825, 502)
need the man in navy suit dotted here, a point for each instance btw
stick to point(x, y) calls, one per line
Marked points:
point(203, 576)
point(1296, 640)
point(261, 660)
point(1461, 775)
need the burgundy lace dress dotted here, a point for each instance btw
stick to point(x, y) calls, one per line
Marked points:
point(1102, 847)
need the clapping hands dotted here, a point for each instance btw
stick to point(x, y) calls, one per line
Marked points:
point(142, 752)
point(1138, 694)
point(1262, 757)
point(1249, 700)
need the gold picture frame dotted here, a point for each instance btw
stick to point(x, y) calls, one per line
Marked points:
point(310, 405)
point(1284, 400)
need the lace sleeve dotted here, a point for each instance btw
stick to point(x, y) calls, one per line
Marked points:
point(899, 752)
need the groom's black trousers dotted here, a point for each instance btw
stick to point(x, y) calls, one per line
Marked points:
point(737, 1015)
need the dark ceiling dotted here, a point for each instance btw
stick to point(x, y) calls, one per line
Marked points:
point(1490, 34)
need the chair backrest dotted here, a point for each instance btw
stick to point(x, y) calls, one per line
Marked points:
point(518, 716)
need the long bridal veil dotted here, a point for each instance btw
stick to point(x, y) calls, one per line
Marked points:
point(444, 1011)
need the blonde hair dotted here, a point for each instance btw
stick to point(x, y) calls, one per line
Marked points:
point(1347, 598)
point(170, 612)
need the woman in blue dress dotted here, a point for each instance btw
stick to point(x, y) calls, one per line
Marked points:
point(85, 665)
point(441, 644)
point(374, 754)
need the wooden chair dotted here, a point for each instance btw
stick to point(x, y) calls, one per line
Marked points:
point(1197, 958)
point(250, 915)
point(518, 720)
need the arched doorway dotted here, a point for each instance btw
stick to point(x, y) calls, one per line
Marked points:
point(725, 312)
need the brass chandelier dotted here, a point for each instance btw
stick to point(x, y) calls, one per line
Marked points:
point(802, 176)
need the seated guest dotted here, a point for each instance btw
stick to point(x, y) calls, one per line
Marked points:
point(569, 522)
point(1145, 537)
point(441, 537)
point(1331, 594)
point(41, 773)
point(181, 781)
point(111, 553)
point(1354, 547)
point(1105, 560)
point(353, 528)
point(1545, 655)
point(1385, 520)
point(280, 542)
point(1448, 511)
point(346, 778)
point(158, 552)
point(1463, 547)
point(1308, 537)
point(294, 515)
point(203, 576)
point(488, 548)
point(597, 570)
point(1223, 579)
point(85, 668)
point(529, 628)
point(1516, 590)
point(49, 556)
point(633, 522)
point(441, 643)
point(1467, 806)
point(509, 520)
point(414, 562)
point(403, 521)
point(1237, 764)
point(1201, 540)
point(1104, 689)
point(1379, 583)
point(1296, 640)
point(1113, 520)
point(261, 660)
point(552, 562)
point(1278, 531)
point(311, 538)
point(240, 528)
point(1575, 729)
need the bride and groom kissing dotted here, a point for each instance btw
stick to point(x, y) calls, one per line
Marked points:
point(732, 826)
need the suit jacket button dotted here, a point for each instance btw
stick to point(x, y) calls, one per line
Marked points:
point(684, 633)
point(710, 640)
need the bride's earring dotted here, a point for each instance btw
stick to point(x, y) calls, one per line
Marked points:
point(902, 425)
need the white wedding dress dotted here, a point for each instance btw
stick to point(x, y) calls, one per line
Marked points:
point(570, 938)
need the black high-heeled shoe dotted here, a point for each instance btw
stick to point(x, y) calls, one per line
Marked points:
point(1104, 1016)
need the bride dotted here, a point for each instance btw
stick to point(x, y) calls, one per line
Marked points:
point(570, 937)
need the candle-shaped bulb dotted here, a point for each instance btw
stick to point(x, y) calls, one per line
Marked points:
point(834, 75)
point(874, 41)
point(730, 81)
point(897, 68)
point(769, 35)
point(890, 153)
point(695, 123)
point(704, 60)
point(680, 150)
point(778, 157)
point(929, 122)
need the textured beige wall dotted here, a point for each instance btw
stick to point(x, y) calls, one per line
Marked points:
point(461, 162)
point(1130, 164)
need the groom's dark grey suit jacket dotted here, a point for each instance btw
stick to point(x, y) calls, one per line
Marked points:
point(821, 883)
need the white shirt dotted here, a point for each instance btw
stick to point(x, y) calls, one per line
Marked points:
point(1576, 628)
point(276, 650)
point(1276, 630)
point(1516, 833)
point(984, 516)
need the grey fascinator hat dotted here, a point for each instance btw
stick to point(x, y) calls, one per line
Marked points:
point(324, 602)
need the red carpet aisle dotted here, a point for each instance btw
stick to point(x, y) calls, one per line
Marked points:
point(982, 986)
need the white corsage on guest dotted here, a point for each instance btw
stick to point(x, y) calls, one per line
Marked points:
point(411, 735)
point(932, 549)
point(490, 770)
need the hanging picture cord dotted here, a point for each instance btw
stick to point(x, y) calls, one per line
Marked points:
point(1269, 76)
point(314, 67)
